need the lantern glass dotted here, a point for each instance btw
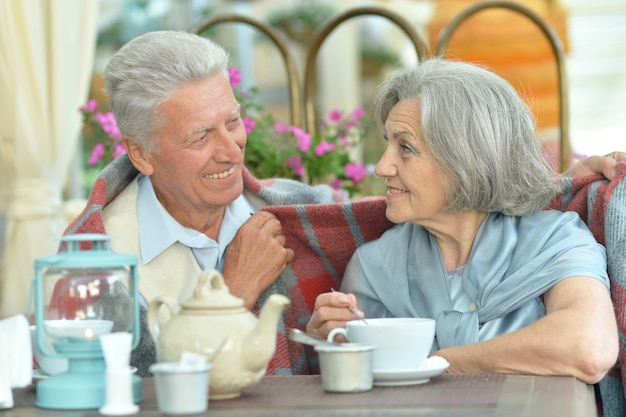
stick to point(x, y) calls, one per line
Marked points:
point(87, 302)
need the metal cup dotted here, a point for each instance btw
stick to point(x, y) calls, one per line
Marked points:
point(346, 367)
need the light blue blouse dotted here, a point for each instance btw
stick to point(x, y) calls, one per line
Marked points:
point(514, 260)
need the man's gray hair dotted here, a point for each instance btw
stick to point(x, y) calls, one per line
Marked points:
point(481, 134)
point(149, 69)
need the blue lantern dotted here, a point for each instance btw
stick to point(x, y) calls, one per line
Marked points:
point(84, 291)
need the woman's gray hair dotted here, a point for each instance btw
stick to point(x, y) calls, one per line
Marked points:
point(480, 133)
point(149, 69)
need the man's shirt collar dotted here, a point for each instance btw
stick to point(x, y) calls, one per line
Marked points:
point(158, 230)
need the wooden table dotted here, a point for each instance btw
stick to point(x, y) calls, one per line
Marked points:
point(445, 395)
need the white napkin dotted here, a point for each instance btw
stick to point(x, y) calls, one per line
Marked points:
point(16, 357)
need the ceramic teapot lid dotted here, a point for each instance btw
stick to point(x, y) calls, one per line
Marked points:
point(211, 292)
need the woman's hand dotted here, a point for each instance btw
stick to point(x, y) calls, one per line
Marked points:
point(331, 310)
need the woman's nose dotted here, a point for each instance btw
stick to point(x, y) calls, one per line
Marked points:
point(384, 168)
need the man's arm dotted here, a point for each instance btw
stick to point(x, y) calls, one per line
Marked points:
point(577, 337)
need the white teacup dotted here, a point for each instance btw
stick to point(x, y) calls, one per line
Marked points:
point(402, 343)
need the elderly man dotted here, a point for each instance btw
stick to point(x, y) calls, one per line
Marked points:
point(181, 199)
point(178, 200)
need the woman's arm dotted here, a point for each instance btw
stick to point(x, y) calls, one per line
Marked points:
point(577, 337)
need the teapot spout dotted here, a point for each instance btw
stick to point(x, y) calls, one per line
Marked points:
point(259, 345)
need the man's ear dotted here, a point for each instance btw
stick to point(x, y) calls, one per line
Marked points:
point(138, 156)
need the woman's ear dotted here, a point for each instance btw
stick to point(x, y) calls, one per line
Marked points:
point(138, 156)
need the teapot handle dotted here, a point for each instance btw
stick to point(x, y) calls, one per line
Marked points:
point(210, 279)
point(154, 324)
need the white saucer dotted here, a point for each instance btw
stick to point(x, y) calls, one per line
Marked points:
point(431, 367)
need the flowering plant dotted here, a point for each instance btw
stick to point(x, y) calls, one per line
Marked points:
point(276, 149)
point(103, 133)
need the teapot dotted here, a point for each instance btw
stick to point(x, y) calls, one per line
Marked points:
point(215, 323)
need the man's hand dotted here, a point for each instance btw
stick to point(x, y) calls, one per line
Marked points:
point(256, 257)
point(604, 165)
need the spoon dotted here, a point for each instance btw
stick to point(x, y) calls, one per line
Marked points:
point(308, 339)
point(352, 310)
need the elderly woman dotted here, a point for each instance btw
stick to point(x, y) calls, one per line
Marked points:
point(514, 288)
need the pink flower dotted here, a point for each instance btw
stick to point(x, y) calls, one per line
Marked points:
point(344, 139)
point(335, 116)
point(324, 147)
point(96, 154)
point(281, 127)
point(304, 138)
point(118, 150)
point(108, 123)
point(235, 76)
point(356, 171)
point(336, 184)
point(90, 107)
point(113, 131)
point(359, 112)
point(249, 123)
point(295, 163)
point(100, 118)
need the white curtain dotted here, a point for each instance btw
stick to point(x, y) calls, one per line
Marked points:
point(46, 59)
